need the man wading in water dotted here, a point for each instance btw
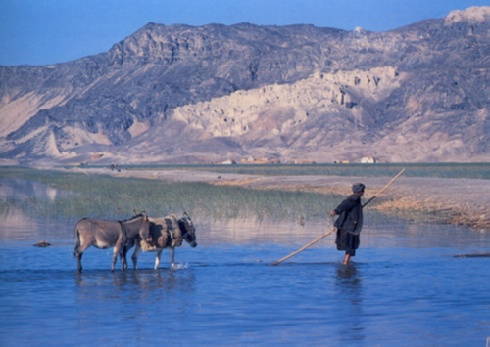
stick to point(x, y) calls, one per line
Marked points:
point(349, 223)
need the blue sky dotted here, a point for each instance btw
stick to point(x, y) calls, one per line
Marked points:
point(43, 32)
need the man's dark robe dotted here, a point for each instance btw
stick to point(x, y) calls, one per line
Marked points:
point(349, 224)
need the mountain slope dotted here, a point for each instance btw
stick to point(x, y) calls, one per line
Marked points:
point(198, 94)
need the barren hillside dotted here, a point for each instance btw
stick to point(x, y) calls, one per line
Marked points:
point(180, 94)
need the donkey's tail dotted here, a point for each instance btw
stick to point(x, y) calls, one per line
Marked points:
point(77, 241)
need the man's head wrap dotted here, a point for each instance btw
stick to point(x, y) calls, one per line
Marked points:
point(358, 187)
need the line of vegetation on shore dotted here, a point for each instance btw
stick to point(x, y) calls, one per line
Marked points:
point(103, 196)
point(438, 170)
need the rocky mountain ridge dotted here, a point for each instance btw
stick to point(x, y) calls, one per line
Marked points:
point(186, 94)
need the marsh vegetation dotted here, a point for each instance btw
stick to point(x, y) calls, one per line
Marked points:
point(108, 197)
point(99, 195)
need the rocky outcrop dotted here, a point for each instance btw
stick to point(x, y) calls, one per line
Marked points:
point(470, 15)
point(292, 93)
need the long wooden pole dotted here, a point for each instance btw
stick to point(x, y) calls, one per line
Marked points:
point(385, 187)
point(304, 247)
point(333, 229)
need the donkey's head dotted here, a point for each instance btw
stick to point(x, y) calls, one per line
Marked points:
point(188, 229)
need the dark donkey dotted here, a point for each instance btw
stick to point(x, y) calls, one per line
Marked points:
point(107, 233)
point(163, 233)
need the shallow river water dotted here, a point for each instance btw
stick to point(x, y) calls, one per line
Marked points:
point(405, 287)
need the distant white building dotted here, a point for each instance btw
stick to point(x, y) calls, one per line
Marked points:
point(227, 162)
point(368, 159)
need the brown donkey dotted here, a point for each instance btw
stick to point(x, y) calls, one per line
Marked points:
point(165, 232)
point(107, 233)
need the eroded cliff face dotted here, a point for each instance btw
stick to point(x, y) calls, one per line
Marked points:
point(297, 120)
point(470, 15)
point(293, 93)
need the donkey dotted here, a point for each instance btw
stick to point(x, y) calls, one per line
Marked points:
point(107, 233)
point(163, 233)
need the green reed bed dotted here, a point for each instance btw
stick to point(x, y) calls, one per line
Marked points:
point(103, 196)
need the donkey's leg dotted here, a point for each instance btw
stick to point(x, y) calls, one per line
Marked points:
point(124, 262)
point(124, 251)
point(79, 249)
point(134, 257)
point(172, 253)
point(118, 248)
point(79, 261)
point(114, 258)
point(157, 259)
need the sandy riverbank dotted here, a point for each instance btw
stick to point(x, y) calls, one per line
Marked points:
point(441, 200)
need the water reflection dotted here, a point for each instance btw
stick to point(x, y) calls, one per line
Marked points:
point(23, 189)
point(15, 223)
point(252, 230)
point(138, 301)
point(226, 296)
point(15, 218)
point(349, 297)
point(140, 283)
point(410, 288)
